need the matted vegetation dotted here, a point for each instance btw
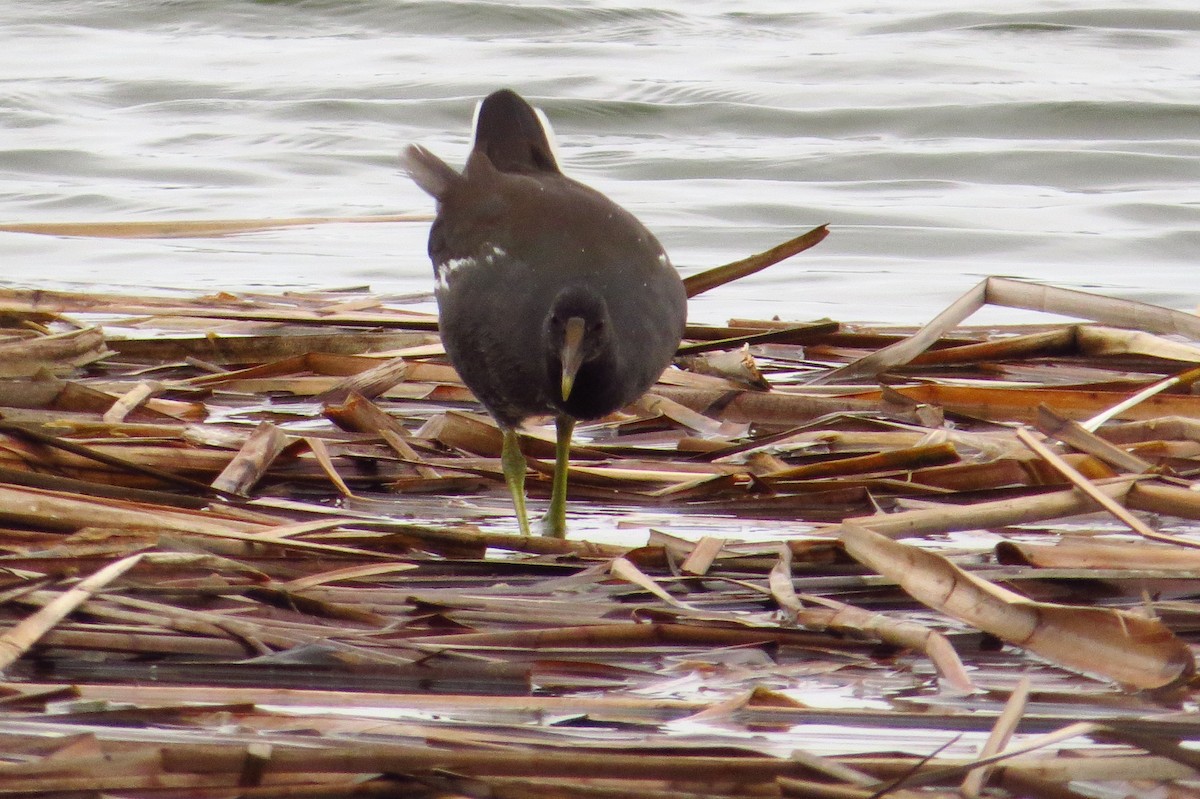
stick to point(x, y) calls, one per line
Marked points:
point(260, 546)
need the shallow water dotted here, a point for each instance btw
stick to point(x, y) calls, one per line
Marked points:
point(1055, 141)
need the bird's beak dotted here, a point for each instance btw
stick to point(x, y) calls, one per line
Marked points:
point(571, 356)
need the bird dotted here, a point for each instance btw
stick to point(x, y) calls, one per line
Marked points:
point(552, 299)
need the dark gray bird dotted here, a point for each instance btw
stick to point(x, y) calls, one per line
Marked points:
point(552, 299)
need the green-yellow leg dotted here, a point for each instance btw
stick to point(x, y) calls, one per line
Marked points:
point(555, 521)
point(513, 462)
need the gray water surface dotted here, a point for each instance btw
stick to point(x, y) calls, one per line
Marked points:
point(1054, 141)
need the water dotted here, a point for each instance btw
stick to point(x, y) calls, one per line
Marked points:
point(1058, 141)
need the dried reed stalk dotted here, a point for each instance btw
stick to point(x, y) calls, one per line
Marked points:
point(15, 641)
point(193, 228)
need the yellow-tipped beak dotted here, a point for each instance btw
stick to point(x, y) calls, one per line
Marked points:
point(571, 356)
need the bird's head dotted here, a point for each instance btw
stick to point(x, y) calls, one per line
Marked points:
point(578, 330)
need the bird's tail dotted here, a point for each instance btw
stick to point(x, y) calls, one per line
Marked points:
point(513, 136)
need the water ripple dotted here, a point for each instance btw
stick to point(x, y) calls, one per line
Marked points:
point(1056, 142)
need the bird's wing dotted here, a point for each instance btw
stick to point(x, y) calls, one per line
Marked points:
point(432, 174)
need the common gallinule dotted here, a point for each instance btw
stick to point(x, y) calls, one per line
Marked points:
point(552, 299)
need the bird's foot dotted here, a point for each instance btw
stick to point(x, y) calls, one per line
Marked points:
point(553, 525)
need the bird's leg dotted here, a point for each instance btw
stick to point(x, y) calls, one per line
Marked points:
point(513, 462)
point(554, 523)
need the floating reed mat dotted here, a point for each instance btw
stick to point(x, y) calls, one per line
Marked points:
point(261, 546)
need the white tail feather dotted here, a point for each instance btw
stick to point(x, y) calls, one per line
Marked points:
point(548, 129)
